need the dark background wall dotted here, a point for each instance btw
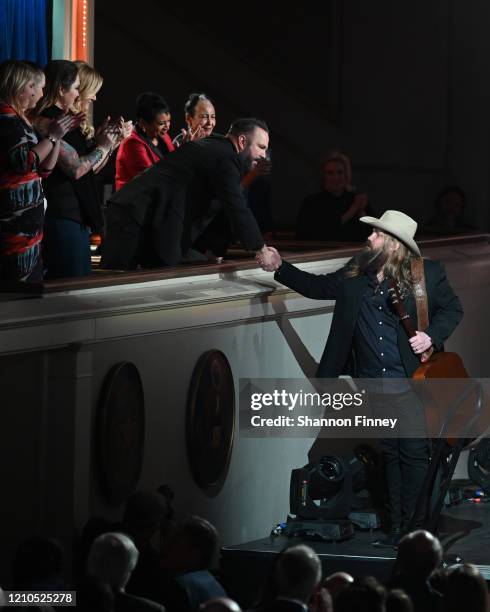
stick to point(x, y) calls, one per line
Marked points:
point(401, 87)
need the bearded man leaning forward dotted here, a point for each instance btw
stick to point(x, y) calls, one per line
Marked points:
point(157, 218)
point(367, 340)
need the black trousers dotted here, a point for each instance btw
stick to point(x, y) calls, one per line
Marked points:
point(406, 461)
point(406, 458)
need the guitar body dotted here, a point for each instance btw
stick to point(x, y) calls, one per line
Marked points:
point(441, 365)
point(443, 418)
point(439, 396)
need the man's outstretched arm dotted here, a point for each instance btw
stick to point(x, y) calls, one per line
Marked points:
point(315, 286)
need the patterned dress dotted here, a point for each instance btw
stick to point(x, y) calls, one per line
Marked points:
point(21, 200)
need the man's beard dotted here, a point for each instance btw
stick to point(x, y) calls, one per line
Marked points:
point(246, 160)
point(370, 261)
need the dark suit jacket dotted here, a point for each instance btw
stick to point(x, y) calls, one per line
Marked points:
point(171, 203)
point(186, 592)
point(445, 312)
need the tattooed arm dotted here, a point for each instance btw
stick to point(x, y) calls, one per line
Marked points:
point(100, 164)
point(75, 166)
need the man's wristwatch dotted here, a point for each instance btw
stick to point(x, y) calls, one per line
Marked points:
point(52, 140)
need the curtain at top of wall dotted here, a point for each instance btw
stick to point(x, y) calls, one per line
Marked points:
point(23, 33)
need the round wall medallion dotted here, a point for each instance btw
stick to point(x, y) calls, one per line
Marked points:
point(210, 423)
point(120, 431)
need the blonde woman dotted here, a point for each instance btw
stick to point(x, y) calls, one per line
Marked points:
point(74, 209)
point(333, 213)
point(24, 159)
point(90, 83)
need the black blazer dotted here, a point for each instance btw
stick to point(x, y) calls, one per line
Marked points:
point(445, 312)
point(172, 202)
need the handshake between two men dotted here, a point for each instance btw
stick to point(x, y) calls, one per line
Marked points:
point(268, 258)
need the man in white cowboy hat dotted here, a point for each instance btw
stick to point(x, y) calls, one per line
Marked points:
point(366, 339)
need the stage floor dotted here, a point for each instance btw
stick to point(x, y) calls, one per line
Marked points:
point(464, 531)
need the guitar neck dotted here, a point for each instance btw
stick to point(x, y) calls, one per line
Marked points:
point(399, 308)
point(405, 319)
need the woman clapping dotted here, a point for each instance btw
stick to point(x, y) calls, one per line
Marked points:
point(24, 159)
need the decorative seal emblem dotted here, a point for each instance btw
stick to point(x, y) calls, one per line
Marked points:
point(120, 432)
point(210, 421)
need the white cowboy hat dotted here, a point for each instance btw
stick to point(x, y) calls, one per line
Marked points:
point(399, 225)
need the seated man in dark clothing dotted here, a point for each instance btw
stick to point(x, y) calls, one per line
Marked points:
point(155, 219)
point(186, 560)
point(295, 576)
point(419, 555)
point(333, 214)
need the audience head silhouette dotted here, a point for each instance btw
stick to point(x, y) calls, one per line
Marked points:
point(297, 573)
point(112, 559)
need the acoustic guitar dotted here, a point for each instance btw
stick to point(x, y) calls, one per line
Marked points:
point(452, 409)
point(434, 365)
point(449, 406)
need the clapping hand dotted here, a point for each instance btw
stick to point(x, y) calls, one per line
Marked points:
point(268, 259)
point(126, 128)
point(190, 136)
point(103, 126)
point(57, 128)
point(359, 203)
point(113, 132)
point(123, 128)
point(108, 136)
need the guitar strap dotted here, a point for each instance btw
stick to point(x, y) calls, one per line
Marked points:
point(420, 293)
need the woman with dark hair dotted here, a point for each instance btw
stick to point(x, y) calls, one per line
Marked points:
point(200, 117)
point(149, 140)
point(74, 210)
point(25, 158)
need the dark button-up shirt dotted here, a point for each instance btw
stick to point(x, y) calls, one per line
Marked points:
point(375, 337)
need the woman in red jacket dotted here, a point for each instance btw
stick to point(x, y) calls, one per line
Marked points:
point(149, 141)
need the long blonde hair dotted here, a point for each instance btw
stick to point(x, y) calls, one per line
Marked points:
point(396, 266)
point(341, 158)
point(14, 76)
point(90, 82)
